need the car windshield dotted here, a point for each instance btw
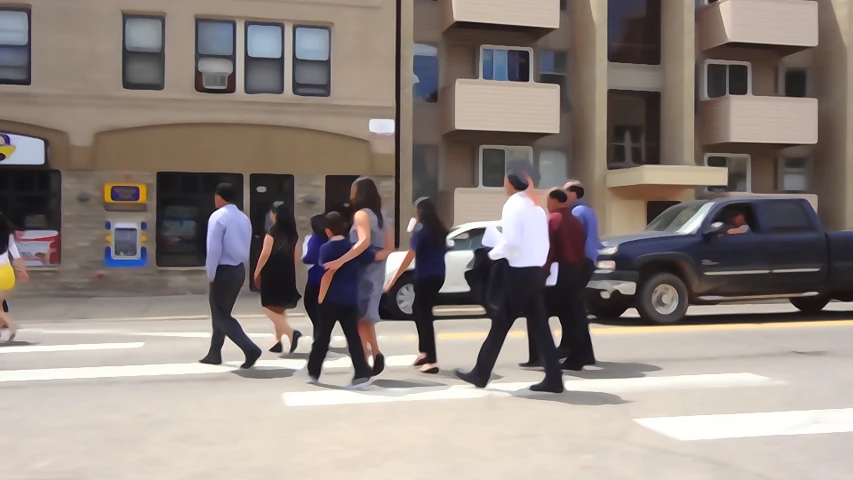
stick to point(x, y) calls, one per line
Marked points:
point(681, 218)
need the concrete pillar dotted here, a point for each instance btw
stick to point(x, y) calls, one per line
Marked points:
point(678, 62)
point(405, 125)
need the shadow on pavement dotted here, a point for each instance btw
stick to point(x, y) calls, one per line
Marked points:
point(611, 370)
point(406, 384)
point(570, 397)
point(18, 343)
point(262, 373)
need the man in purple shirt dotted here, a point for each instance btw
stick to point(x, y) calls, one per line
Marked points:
point(229, 234)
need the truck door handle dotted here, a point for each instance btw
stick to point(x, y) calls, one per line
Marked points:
point(709, 263)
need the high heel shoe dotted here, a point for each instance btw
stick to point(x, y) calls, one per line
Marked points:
point(294, 342)
point(429, 368)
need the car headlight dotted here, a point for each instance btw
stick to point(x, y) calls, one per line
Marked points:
point(605, 265)
point(608, 250)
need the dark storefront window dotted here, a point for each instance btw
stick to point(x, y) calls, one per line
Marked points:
point(338, 189)
point(184, 204)
point(31, 199)
point(634, 31)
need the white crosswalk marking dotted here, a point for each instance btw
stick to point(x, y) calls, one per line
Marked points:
point(70, 348)
point(749, 425)
point(461, 392)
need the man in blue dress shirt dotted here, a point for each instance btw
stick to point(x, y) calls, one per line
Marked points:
point(229, 234)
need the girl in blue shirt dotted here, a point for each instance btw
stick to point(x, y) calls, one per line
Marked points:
point(315, 271)
point(427, 248)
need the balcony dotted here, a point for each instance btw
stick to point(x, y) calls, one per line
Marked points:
point(785, 26)
point(522, 111)
point(776, 121)
point(533, 18)
point(663, 181)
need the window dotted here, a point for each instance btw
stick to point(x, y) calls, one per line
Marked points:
point(553, 169)
point(15, 46)
point(426, 73)
point(793, 175)
point(505, 64)
point(655, 207)
point(31, 199)
point(633, 120)
point(184, 205)
point(796, 82)
point(215, 56)
point(553, 68)
point(727, 78)
point(495, 160)
point(312, 61)
point(739, 171)
point(634, 31)
point(425, 172)
point(264, 58)
point(470, 240)
point(785, 217)
point(144, 55)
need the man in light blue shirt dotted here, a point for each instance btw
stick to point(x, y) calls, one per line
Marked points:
point(229, 235)
point(586, 215)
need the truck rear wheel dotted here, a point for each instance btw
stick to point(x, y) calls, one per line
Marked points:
point(662, 299)
point(810, 304)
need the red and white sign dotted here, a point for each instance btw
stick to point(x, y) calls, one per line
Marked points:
point(39, 248)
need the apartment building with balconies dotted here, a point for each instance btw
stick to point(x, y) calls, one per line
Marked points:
point(120, 117)
point(648, 102)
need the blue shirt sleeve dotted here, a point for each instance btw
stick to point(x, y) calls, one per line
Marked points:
point(215, 238)
point(323, 253)
point(312, 253)
point(416, 239)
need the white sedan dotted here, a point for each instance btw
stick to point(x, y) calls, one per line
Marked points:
point(461, 241)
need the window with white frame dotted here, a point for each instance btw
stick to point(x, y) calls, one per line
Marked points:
point(15, 46)
point(312, 61)
point(505, 64)
point(264, 70)
point(494, 161)
point(739, 171)
point(553, 168)
point(793, 175)
point(628, 146)
point(144, 53)
point(215, 56)
point(727, 78)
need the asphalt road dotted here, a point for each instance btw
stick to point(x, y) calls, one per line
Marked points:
point(124, 399)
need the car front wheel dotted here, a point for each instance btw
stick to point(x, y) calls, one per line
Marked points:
point(662, 299)
point(399, 300)
point(810, 304)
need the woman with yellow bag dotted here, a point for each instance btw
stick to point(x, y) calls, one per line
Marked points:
point(9, 255)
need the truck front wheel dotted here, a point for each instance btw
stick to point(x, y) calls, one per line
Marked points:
point(609, 309)
point(662, 299)
point(810, 304)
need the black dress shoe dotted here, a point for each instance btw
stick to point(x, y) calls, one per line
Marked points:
point(548, 385)
point(251, 359)
point(208, 360)
point(295, 342)
point(531, 364)
point(470, 377)
point(378, 364)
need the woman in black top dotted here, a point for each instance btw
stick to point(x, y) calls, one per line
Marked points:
point(275, 274)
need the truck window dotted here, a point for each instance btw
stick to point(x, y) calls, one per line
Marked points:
point(785, 217)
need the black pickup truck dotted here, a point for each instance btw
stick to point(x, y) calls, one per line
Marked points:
point(693, 254)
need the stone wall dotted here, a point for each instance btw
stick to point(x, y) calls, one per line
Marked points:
point(82, 271)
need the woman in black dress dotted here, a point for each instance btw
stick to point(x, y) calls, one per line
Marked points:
point(275, 274)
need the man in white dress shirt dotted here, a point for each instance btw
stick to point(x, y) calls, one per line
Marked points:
point(520, 256)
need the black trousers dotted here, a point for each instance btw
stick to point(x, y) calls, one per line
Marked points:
point(224, 291)
point(523, 289)
point(5, 307)
point(426, 297)
point(309, 301)
point(565, 301)
point(347, 315)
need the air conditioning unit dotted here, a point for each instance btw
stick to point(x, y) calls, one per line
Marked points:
point(214, 81)
point(215, 72)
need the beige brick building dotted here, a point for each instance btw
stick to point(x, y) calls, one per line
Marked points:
point(124, 114)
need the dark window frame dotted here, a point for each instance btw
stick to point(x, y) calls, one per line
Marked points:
point(786, 89)
point(29, 47)
point(509, 49)
point(231, 82)
point(650, 130)
point(248, 59)
point(646, 51)
point(125, 54)
point(434, 97)
point(768, 225)
point(305, 90)
point(53, 195)
point(200, 199)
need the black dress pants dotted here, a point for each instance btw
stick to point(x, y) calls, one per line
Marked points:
point(309, 301)
point(347, 315)
point(224, 291)
point(565, 301)
point(426, 297)
point(523, 289)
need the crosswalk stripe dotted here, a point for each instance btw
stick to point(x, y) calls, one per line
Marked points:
point(750, 425)
point(70, 348)
point(173, 369)
point(498, 389)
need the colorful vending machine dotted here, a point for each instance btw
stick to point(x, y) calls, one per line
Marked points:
point(126, 206)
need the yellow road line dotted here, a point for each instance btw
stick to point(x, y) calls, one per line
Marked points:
point(660, 329)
